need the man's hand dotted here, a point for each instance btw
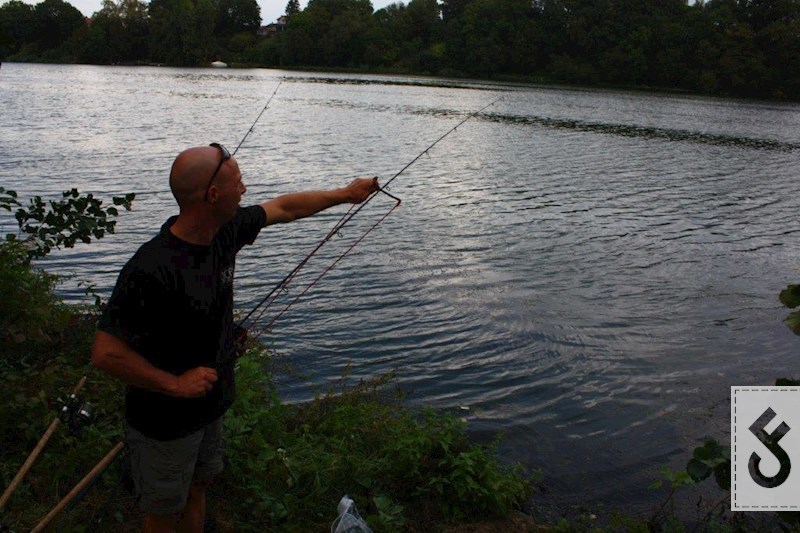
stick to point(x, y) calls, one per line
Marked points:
point(194, 383)
point(360, 189)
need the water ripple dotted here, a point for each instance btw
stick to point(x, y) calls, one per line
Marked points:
point(585, 271)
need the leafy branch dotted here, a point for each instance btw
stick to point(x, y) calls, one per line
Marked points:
point(48, 224)
point(790, 297)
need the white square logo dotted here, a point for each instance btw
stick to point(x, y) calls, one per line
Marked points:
point(765, 434)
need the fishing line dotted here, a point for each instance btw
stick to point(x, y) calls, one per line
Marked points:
point(244, 340)
point(246, 135)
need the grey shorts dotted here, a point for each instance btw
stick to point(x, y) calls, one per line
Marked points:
point(163, 471)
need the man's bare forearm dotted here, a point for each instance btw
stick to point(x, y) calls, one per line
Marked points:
point(304, 204)
point(115, 357)
point(288, 207)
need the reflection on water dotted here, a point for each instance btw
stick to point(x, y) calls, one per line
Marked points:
point(628, 130)
point(587, 271)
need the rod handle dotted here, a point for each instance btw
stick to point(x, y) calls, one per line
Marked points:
point(29, 462)
point(93, 473)
point(79, 386)
point(26, 466)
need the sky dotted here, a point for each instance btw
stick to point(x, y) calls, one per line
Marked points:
point(270, 9)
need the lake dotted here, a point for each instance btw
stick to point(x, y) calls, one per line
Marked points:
point(585, 271)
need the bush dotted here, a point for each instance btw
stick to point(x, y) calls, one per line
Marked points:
point(30, 314)
point(291, 465)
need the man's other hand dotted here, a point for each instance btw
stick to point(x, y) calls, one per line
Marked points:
point(195, 383)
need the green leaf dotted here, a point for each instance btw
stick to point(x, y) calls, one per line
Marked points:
point(697, 470)
point(112, 211)
point(708, 451)
point(722, 474)
point(790, 296)
point(793, 322)
point(786, 382)
point(726, 453)
point(711, 453)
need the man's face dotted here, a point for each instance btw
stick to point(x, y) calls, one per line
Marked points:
point(230, 187)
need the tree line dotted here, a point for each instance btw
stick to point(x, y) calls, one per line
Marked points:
point(733, 47)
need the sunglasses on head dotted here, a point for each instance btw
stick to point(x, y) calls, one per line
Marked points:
point(225, 156)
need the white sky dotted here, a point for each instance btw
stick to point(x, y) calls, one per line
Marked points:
point(270, 9)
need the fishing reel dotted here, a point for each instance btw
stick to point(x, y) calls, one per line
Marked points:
point(75, 413)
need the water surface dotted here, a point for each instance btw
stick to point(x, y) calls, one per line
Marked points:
point(585, 271)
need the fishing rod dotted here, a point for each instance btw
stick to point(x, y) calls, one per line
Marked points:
point(246, 135)
point(74, 412)
point(243, 340)
point(79, 490)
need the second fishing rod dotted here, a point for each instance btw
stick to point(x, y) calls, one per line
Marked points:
point(245, 336)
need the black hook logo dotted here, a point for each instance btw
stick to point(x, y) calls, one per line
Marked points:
point(770, 440)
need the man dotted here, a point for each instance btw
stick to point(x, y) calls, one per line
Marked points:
point(167, 330)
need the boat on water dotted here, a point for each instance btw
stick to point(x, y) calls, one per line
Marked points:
point(219, 64)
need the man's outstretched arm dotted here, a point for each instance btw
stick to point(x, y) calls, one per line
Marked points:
point(117, 358)
point(292, 206)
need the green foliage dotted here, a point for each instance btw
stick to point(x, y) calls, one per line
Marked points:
point(16, 27)
point(29, 397)
point(711, 458)
point(732, 47)
point(54, 22)
point(790, 297)
point(288, 465)
point(238, 16)
point(30, 315)
point(294, 463)
point(51, 224)
point(292, 7)
point(119, 33)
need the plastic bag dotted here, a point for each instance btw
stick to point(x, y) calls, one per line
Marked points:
point(349, 521)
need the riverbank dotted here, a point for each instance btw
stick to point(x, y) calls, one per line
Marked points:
point(288, 465)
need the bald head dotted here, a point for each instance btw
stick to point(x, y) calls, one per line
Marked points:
point(191, 172)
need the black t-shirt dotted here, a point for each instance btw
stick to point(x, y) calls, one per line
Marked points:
point(173, 304)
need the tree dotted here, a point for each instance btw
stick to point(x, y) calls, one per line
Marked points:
point(122, 29)
point(452, 9)
point(182, 31)
point(54, 22)
point(498, 37)
point(16, 27)
point(408, 35)
point(292, 8)
point(136, 29)
point(238, 16)
point(336, 33)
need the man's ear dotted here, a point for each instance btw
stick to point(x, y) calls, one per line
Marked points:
point(213, 194)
